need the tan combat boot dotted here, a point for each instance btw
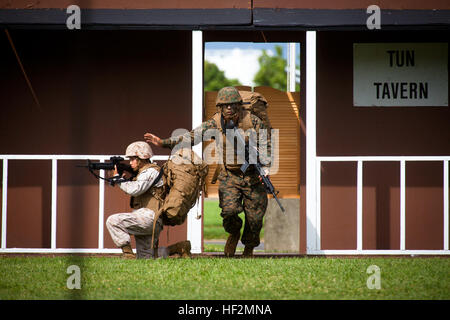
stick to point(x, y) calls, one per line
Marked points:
point(231, 244)
point(183, 249)
point(127, 252)
point(248, 252)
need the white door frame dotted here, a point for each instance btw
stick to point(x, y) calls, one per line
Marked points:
point(195, 216)
point(312, 218)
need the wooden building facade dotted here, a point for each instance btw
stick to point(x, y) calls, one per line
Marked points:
point(373, 179)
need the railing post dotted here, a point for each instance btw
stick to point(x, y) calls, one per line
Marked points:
point(101, 207)
point(54, 201)
point(4, 201)
point(359, 209)
point(402, 204)
point(318, 205)
point(446, 205)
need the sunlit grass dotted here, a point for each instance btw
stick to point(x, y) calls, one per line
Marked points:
point(221, 278)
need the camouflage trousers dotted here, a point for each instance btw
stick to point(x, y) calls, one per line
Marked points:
point(237, 193)
point(138, 223)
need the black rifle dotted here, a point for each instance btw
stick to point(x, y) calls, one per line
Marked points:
point(265, 179)
point(113, 161)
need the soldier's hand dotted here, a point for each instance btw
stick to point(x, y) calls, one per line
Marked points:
point(266, 174)
point(260, 179)
point(116, 172)
point(151, 138)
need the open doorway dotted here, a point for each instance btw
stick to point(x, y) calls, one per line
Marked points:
point(273, 70)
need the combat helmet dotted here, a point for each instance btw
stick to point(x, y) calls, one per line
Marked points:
point(140, 149)
point(228, 95)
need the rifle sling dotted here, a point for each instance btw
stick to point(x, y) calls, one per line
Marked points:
point(156, 217)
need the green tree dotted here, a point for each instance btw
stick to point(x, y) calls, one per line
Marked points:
point(215, 78)
point(272, 70)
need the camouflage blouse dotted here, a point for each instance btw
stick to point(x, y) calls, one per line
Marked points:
point(196, 135)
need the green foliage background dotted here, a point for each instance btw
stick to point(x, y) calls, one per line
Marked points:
point(215, 79)
point(272, 73)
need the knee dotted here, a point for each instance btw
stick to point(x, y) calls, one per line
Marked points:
point(256, 208)
point(231, 208)
point(231, 223)
point(230, 202)
point(111, 221)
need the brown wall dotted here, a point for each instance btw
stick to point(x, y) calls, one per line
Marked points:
point(424, 205)
point(344, 130)
point(381, 205)
point(338, 206)
point(98, 91)
point(110, 76)
point(29, 218)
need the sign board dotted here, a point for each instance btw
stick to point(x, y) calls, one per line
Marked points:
point(400, 74)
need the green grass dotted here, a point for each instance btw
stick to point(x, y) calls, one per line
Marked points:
point(212, 223)
point(220, 278)
point(212, 247)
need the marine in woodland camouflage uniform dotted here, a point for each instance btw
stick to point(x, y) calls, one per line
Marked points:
point(237, 191)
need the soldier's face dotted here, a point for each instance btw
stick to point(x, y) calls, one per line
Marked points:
point(230, 110)
point(134, 163)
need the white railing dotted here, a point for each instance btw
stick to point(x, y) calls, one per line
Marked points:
point(316, 224)
point(53, 248)
point(359, 190)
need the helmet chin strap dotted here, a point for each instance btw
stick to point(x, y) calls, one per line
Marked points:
point(233, 118)
point(228, 123)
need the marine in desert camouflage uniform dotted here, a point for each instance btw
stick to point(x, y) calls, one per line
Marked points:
point(146, 199)
point(237, 191)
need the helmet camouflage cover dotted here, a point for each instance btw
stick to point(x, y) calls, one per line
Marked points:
point(228, 95)
point(140, 149)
